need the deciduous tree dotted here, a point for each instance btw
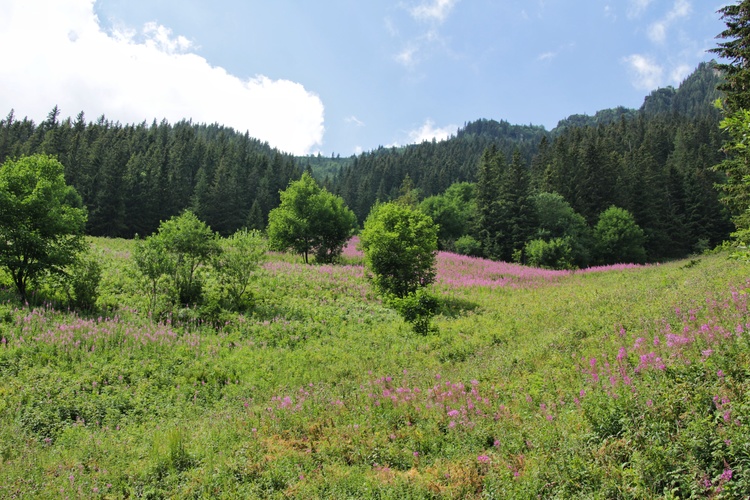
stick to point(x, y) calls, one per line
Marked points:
point(400, 244)
point(42, 220)
point(310, 220)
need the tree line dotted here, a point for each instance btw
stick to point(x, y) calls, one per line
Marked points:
point(655, 162)
point(132, 177)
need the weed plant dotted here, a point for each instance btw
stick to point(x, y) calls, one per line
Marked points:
point(620, 382)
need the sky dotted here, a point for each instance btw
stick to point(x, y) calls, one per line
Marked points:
point(345, 76)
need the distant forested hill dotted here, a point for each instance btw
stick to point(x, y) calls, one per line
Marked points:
point(133, 176)
point(655, 162)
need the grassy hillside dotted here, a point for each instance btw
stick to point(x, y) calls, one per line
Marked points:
point(627, 382)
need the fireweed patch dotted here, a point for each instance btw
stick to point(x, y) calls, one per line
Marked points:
point(618, 382)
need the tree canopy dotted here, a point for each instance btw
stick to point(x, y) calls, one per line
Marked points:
point(42, 220)
point(735, 50)
point(310, 219)
point(400, 245)
point(618, 238)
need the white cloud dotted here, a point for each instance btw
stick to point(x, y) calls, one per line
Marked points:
point(647, 74)
point(354, 120)
point(428, 131)
point(433, 10)
point(62, 56)
point(636, 7)
point(407, 57)
point(546, 56)
point(678, 74)
point(657, 32)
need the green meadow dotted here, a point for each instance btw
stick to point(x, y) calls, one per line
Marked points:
point(619, 382)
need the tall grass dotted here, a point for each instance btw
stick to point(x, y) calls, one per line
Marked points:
point(619, 383)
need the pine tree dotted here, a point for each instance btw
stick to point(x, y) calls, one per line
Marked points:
point(736, 51)
point(491, 167)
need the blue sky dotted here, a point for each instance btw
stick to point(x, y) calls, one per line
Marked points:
point(343, 76)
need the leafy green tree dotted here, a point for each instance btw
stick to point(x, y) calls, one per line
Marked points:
point(180, 246)
point(236, 265)
point(618, 238)
point(556, 219)
point(156, 266)
point(453, 211)
point(310, 219)
point(400, 245)
point(736, 107)
point(42, 220)
point(555, 253)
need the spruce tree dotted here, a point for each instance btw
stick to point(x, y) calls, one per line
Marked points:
point(735, 50)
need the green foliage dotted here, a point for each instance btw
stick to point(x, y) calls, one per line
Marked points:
point(189, 243)
point(155, 266)
point(734, 50)
point(85, 278)
point(468, 245)
point(453, 211)
point(555, 253)
point(175, 252)
point(237, 264)
point(399, 244)
point(737, 167)
point(618, 238)
point(310, 219)
point(557, 220)
point(41, 220)
point(505, 212)
point(417, 308)
point(736, 107)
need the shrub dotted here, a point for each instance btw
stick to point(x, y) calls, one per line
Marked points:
point(400, 245)
point(468, 245)
point(416, 308)
point(553, 254)
point(618, 238)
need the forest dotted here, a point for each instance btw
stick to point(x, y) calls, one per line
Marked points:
point(654, 162)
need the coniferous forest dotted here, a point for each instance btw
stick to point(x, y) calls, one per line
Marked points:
point(654, 162)
point(131, 177)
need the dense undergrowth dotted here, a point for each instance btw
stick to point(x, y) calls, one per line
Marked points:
point(613, 383)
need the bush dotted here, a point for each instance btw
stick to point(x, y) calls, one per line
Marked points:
point(85, 277)
point(618, 238)
point(240, 257)
point(553, 254)
point(468, 245)
point(416, 308)
point(175, 252)
point(400, 244)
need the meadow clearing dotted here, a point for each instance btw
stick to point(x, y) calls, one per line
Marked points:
point(618, 382)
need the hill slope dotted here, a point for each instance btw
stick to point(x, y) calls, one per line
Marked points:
point(621, 382)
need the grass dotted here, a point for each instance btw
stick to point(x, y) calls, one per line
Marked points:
point(628, 382)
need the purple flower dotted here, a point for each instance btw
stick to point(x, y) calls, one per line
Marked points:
point(483, 459)
point(726, 475)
